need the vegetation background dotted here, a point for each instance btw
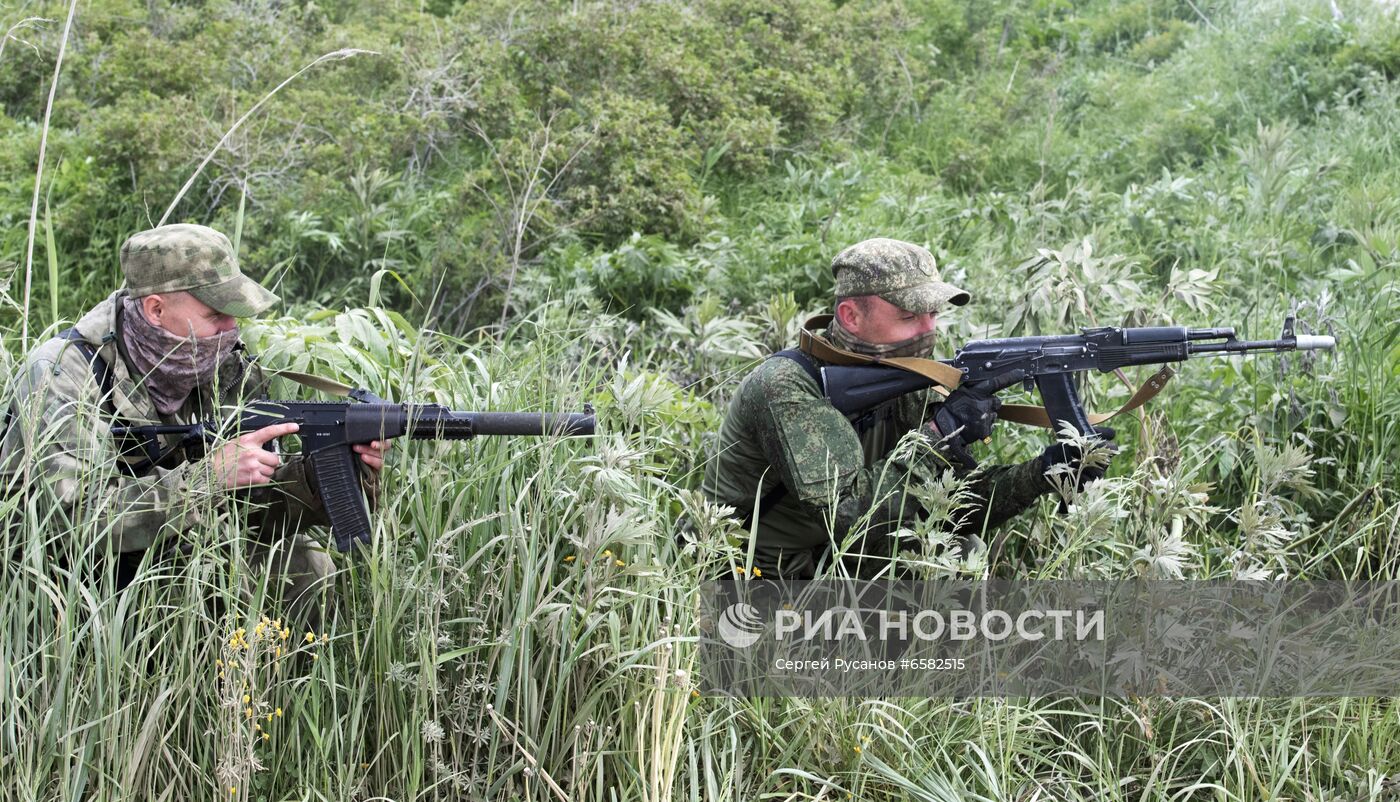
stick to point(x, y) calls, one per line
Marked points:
point(519, 204)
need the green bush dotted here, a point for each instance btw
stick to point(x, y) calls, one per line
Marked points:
point(1162, 44)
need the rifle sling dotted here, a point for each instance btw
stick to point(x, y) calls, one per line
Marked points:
point(1032, 415)
point(818, 346)
point(947, 378)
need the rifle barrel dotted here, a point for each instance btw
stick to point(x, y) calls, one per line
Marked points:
point(477, 424)
point(1302, 342)
point(527, 423)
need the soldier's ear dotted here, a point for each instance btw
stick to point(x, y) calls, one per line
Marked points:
point(849, 313)
point(153, 306)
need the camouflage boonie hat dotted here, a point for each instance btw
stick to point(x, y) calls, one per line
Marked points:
point(196, 259)
point(900, 272)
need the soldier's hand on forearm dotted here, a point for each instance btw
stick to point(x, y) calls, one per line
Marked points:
point(373, 454)
point(244, 462)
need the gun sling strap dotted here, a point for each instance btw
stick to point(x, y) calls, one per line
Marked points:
point(946, 377)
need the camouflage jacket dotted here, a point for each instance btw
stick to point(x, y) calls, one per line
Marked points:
point(60, 428)
point(780, 429)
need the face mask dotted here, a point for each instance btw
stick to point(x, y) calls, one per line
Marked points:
point(171, 366)
point(920, 346)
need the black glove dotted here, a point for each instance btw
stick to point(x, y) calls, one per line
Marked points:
point(970, 410)
point(1071, 455)
point(973, 408)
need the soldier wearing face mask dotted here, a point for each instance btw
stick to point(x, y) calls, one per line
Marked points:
point(164, 349)
point(806, 478)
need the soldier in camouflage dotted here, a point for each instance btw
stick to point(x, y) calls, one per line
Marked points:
point(169, 340)
point(786, 457)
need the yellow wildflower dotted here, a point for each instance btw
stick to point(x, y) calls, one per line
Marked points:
point(310, 637)
point(619, 563)
point(757, 573)
point(247, 698)
point(569, 558)
point(279, 712)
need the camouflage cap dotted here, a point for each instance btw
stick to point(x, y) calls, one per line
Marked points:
point(900, 272)
point(195, 259)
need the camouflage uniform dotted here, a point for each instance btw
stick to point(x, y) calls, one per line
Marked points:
point(780, 429)
point(60, 425)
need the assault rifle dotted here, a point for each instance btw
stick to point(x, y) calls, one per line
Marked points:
point(1050, 363)
point(328, 430)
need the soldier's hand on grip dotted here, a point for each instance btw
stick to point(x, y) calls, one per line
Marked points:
point(244, 462)
point(970, 411)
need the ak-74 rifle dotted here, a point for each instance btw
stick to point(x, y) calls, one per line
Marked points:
point(1048, 363)
point(328, 429)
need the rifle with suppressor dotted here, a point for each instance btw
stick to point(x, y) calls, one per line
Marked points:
point(1049, 363)
point(328, 429)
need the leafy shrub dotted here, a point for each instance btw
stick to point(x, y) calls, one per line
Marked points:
point(1161, 45)
point(643, 273)
point(629, 170)
point(1377, 48)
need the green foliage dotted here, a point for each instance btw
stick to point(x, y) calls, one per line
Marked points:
point(1162, 44)
point(1376, 48)
point(591, 124)
point(641, 274)
point(630, 170)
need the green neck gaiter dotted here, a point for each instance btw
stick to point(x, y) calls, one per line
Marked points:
point(920, 346)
